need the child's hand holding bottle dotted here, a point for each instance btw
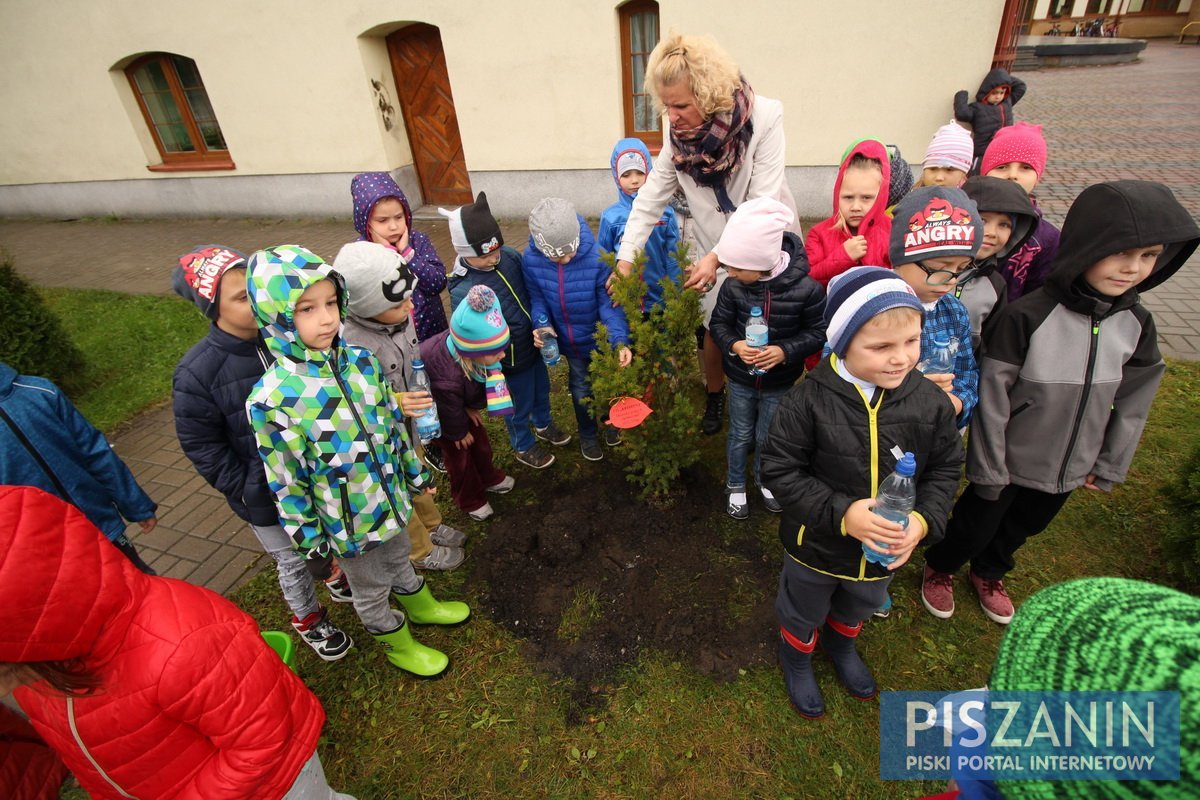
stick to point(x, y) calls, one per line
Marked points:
point(413, 403)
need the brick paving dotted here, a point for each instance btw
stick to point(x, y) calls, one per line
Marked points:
point(1101, 123)
point(1127, 121)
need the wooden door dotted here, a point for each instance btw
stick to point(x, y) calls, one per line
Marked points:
point(423, 85)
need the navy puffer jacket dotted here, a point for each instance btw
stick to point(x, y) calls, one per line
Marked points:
point(793, 305)
point(211, 384)
point(507, 280)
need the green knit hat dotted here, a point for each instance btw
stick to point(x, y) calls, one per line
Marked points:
point(1107, 634)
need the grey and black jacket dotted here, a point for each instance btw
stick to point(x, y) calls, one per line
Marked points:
point(1068, 375)
point(986, 292)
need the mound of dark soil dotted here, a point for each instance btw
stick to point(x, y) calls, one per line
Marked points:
point(591, 575)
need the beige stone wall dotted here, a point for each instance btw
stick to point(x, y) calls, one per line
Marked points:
point(536, 82)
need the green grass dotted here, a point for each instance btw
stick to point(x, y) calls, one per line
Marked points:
point(131, 343)
point(493, 727)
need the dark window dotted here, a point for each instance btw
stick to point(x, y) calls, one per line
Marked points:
point(177, 111)
point(1152, 7)
point(639, 35)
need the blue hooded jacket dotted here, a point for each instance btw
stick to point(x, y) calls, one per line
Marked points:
point(45, 442)
point(660, 247)
point(573, 297)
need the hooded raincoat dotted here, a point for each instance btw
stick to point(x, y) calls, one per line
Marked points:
point(328, 428)
point(664, 238)
point(826, 241)
point(367, 189)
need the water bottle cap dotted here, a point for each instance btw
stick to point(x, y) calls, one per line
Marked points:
point(907, 465)
point(418, 363)
point(756, 311)
point(542, 320)
point(941, 341)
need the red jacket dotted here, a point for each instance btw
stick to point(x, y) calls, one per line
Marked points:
point(193, 705)
point(826, 254)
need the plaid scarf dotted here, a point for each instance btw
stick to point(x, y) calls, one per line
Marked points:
point(710, 152)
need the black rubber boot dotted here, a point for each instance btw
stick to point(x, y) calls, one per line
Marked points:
point(714, 413)
point(837, 640)
point(795, 658)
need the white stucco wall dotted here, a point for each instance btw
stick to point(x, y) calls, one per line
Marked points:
point(536, 85)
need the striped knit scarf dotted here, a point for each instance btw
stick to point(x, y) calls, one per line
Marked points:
point(710, 152)
point(495, 387)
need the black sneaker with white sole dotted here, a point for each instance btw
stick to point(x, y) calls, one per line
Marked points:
point(553, 434)
point(612, 436)
point(435, 460)
point(591, 449)
point(327, 640)
point(339, 589)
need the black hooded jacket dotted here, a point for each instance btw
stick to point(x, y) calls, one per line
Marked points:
point(986, 292)
point(984, 118)
point(828, 447)
point(1068, 374)
point(793, 305)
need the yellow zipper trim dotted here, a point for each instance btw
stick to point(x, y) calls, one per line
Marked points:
point(873, 427)
point(514, 294)
point(834, 574)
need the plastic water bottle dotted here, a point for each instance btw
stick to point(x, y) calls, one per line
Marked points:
point(549, 342)
point(756, 334)
point(895, 500)
point(429, 427)
point(941, 360)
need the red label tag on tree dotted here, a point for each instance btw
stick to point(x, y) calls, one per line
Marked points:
point(628, 412)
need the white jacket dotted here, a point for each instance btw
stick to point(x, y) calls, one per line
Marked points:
point(760, 174)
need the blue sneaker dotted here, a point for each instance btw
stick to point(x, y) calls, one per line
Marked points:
point(885, 610)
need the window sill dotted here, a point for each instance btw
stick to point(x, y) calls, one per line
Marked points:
point(193, 166)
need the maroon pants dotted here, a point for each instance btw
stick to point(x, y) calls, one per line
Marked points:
point(471, 469)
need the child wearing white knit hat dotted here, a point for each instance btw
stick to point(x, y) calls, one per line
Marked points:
point(768, 273)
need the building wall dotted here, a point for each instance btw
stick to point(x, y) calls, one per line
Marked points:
point(1133, 26)
point(536, 85)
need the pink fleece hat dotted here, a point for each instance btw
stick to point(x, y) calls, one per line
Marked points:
point(951, 146)
point(753, 236)
point(1021, 142)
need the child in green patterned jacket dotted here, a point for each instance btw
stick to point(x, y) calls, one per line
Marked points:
point(337, 456)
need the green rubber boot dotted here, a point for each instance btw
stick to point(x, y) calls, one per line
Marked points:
point(421, 607)
point(409, 654)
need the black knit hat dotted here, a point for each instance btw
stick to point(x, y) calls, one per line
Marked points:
point(473, 229)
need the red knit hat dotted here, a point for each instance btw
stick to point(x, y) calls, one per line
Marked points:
point(1020, 142)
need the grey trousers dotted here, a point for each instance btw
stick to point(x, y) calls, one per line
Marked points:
point(311, 784)
point(806, 597)
point(299, 591)
point(374, 574)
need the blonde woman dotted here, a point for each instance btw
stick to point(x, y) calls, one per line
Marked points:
point(725, 145)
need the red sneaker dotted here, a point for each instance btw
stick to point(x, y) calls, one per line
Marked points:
point(994, 601)
point(937, 592)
